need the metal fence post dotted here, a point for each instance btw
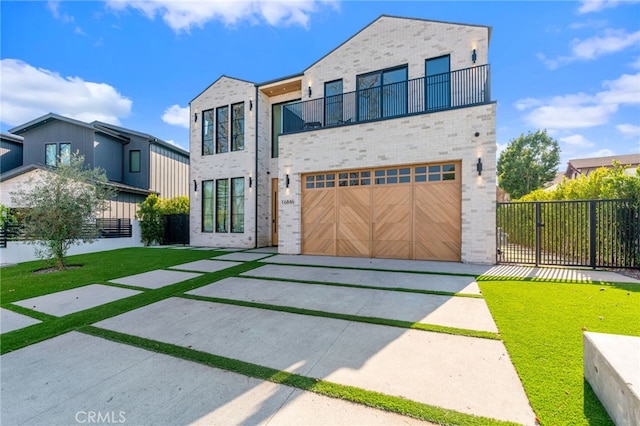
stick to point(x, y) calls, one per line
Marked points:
point(592, 233)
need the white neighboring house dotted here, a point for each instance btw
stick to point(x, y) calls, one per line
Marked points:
point(385, 147)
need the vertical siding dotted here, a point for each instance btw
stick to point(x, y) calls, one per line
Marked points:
point(10, 155)
point(107, 155)
point(123, 206)
point(55, 131)
point(139, 180)
point(168, 172)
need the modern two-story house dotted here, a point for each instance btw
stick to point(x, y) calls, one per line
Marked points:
point(385, 147)
point(136, 164)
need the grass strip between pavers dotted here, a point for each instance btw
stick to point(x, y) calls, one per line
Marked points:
point(55, 326)
point(369, 287)
point(354, 394)
point(349, 317)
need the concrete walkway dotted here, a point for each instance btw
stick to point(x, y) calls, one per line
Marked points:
point(57, 380)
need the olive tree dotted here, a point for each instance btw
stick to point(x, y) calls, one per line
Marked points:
point(61, 205)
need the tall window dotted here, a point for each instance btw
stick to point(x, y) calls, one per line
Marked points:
point(222, 205)
point(382, 93)
point(134, 161)
point(437, 82)
point(237, 205)
point(237, 127)
point(207, 206)
point(51, 154)
point(65, 154)
point(207, 132)
point(333, 102)
point(57, 154)
point(282, 118)
point(222, 129)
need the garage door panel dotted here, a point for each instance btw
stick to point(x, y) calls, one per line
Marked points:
point(387, 231)
point(354, 248)
point(386, 219)
point(393, 249)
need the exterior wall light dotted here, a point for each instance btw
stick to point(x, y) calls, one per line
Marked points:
point(479, 167)
point(195, 186)
point(287, 180)
point(309, 91)
point(250, 104)
point(250, 181)
point(195, 117)
point(474, 56)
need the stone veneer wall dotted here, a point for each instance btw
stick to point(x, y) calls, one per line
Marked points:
point(225, 91)
point(442, 136)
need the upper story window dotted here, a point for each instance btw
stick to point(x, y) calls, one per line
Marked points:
point(222, 129)
point(279, 117)
point(333, 108)
point(134, 161)
point(207, 132)
point(382, 93)
point(57, 154)
point(237, 127)
point(438, 83)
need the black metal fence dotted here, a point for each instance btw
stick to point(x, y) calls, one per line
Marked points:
point(594, 233)
point(103, 228)
point(176, 229)
point(461, 88)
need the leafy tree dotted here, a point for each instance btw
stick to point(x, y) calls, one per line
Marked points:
point(603, 183)
point(528, 163)
point(61, 206)
point(150, 216)
point(175, 205)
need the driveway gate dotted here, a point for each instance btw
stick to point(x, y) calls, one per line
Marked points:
point(595, 233)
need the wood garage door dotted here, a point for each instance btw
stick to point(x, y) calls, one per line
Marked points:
point(406, 212)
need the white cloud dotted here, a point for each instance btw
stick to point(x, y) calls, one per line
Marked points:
point(28, 92)
point(581, 110)
point(183, 15)
point(606, 152)
point(635, 64)
point(598, 5)
point(629, 130)
point(177, 116)
point(577, 141)
point(54, 8)
point(611, 41)
point(591, 23)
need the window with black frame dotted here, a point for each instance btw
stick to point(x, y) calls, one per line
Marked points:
point(382, 94)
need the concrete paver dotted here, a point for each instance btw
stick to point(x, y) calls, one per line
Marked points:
point(384, 264)
point(76, 299)
point(466, 374)
point(10, 320)
point(405, 280)
point(206, 265)
point(155, 279)
point(270, 250)
point(242, 256)
point(135, 386)
point(449, 311)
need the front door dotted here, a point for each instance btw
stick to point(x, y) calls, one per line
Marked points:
point(274, 212)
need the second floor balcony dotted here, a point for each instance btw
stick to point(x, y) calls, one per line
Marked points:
point(455, 89)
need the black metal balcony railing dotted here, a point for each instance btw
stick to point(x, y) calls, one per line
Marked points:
point(456, 89)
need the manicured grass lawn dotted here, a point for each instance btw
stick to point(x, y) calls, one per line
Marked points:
point(541, 324)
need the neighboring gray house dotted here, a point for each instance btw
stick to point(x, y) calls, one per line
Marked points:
point(384, 147)
point(136, 163)
point(10, 151)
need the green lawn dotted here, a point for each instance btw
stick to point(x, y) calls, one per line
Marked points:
point(541, 324)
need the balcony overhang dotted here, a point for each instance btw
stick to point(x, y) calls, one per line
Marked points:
point(282, 87)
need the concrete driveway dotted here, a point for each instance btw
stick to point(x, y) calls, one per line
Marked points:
point(298, 314)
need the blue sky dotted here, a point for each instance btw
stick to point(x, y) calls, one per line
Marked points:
point(572, 68)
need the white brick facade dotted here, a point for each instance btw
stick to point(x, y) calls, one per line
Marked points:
point(461, 134)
